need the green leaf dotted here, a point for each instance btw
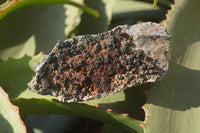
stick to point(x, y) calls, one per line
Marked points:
point(91, 25)
point(10, 121)
point(73, 18)
point(155, 2)
point(31, 33)
point(11, 5)
point(129, 101)
point(15, 74)
point(164, 4)
point(173, 104)
point(108, 128)
point(132, 11)
point(43, 106)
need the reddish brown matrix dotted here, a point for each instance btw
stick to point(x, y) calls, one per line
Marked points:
point(93, 66)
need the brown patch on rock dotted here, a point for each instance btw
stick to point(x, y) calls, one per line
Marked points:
point(93, 66)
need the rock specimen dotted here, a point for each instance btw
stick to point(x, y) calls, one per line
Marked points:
point(93, 66)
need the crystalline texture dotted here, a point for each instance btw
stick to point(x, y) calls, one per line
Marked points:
point(93, 66)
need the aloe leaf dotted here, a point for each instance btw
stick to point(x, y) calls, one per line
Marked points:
point(155, 2)
point(11, 5)
point(133, 11)
point(32, 33)
point(165, 4)
point(173, 104)
point(73, 19)
point(129, 101)
point(43, 106)
point(10, 121)
point(15, 74)
point(96, 25)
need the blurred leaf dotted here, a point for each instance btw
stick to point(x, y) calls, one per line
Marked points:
point(173, 105)
point(10, 121)
point(131, 6)
point(15, 74)
point(131, 11)
point(43, 106)
point(31, 33)
point(91, 25)
point(11, 5)
point(108, 128)
point(73, 18)
point(155, 2)
point(63, 124)
point(164, 4)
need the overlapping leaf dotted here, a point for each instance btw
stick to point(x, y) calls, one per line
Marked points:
point(173, 104)
point(10, 120)
point(11, 5)
point(33, 29)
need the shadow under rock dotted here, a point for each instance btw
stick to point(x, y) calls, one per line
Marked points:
point(179, 90)
point(132, 105)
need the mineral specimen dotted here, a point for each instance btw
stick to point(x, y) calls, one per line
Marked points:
point(93, 66)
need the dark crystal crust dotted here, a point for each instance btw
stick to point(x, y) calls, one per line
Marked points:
point(93, 66)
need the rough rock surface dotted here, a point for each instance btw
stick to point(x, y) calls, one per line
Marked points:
point(93, 66)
